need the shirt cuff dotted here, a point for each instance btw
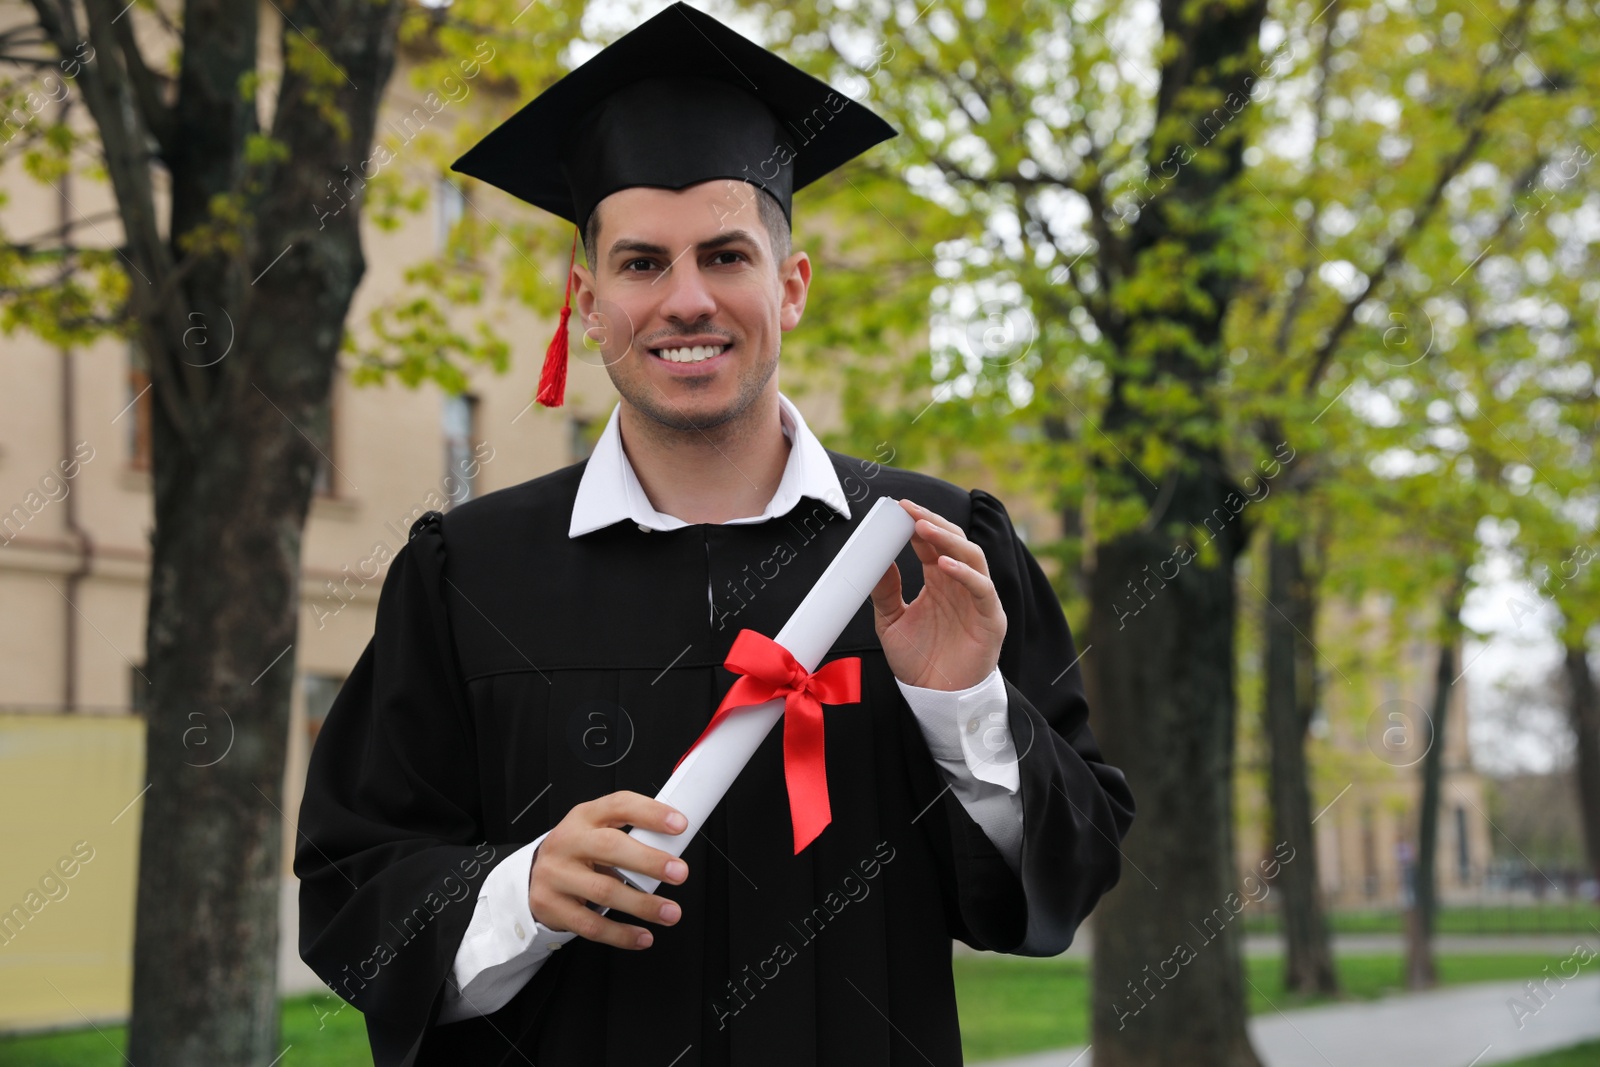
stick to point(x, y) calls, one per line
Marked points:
point(503, 946)
point(970, 725)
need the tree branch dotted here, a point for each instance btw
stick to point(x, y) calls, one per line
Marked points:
point(105, 93)
point(1319, 112)
point(1477, 112)
point(147, 88)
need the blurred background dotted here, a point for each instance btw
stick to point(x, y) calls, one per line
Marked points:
point(1272, 323)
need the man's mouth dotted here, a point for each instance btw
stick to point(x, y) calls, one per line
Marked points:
point(690, 354)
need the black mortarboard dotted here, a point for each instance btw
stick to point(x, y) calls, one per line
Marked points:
point(679, 100)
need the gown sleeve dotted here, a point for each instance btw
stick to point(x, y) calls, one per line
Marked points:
point(390, 850)
point(1076, 808)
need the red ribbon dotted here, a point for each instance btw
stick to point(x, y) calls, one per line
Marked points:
point(767, 671)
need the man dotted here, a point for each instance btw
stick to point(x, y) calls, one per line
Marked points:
point(546, 653)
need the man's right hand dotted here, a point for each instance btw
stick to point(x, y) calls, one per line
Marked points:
point(568, 870)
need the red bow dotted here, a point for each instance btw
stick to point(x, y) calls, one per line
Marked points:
point(767, 671)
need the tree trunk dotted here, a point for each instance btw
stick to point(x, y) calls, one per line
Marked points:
point(1583, 710)
point(205, 952)
point(1168, 971)
point(1168, 975)
point(1288, 618)
point(235, 443)
point(1421, 971)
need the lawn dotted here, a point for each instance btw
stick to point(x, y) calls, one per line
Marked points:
point(315, 1038)
point(1008, 1006)
point(1586, 1055)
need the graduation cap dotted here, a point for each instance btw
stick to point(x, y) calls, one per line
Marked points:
point(679, 100)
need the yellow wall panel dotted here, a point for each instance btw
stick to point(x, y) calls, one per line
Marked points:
point(69, 845)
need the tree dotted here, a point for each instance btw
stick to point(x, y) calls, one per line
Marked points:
point(1164, 282)
point(1422, 971)
point(1350, 306)
point(1583, 709)
point(1288, 614)
point(1013, 144)
point(235, 438)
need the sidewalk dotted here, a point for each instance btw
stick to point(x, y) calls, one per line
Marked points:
point(1464, 1026)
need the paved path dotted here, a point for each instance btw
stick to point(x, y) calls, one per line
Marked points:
point(1462, 1026)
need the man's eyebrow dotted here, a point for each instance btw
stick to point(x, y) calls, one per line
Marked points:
point(646, 248)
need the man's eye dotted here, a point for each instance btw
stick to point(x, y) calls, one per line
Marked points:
point(628, 266)
point(737, 255)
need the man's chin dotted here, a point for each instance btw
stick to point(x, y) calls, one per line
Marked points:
point(688, 412)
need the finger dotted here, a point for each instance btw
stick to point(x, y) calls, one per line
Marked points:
point(926, 551)
point(626, 807)
point(886, 594)
point(577, 882)
point(981, 586)
point(617, 849)
point(950, 544)
point(927, 554)
point(606, 890)
point(570, 914)
point(917, 511)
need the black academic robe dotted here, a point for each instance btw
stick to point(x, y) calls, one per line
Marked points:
point(516, 672)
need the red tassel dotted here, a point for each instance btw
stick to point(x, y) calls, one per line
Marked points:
point(553, 376)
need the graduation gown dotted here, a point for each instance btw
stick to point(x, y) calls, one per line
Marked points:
point(468, 727)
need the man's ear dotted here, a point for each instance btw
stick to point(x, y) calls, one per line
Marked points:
point(583, 291)
point(794, 280)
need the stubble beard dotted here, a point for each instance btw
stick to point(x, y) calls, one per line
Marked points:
point(717, 425)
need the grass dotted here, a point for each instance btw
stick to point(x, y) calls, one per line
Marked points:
point(315, 1035)
point(1009, 1006)
point(1585, 1055)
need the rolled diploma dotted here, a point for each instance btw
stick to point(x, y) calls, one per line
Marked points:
point(703, 778)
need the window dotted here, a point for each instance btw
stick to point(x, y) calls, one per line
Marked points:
point(323, 471)
point(578, 444)
point(459, 418)
point(135, 417)
point(138, 689)
point(1319, 727)
point(319, 690)
point(1369, 852)
point(450, 203)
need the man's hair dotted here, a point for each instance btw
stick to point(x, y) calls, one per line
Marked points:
point(772, 218)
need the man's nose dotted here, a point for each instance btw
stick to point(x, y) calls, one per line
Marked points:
point(688, 298)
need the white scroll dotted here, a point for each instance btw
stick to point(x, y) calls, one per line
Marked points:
point(707, 773)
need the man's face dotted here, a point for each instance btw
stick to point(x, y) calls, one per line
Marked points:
point(677, 272)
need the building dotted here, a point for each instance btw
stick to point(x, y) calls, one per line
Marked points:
point(1376, 676)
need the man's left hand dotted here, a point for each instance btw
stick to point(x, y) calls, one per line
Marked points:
point(948, 637)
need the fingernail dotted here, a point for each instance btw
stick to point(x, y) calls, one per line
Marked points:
point(645, 939)
point(671, 913)
point(676, 822)
point(676, 869)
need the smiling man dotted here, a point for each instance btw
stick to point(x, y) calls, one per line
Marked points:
point(544, 655)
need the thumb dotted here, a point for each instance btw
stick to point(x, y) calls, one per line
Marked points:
point(886, 602)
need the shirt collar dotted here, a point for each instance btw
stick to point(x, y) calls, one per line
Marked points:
point(609, 490)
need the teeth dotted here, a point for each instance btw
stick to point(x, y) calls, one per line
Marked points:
point(690, 355)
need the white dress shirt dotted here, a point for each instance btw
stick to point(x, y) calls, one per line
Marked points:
point(504, 945)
